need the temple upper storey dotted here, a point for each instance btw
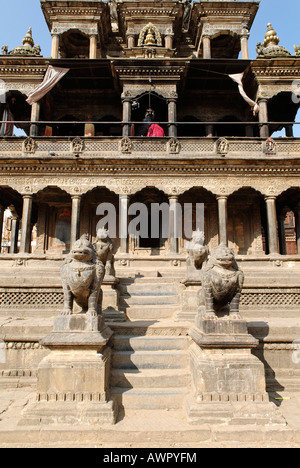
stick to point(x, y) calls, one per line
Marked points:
point(149, 28)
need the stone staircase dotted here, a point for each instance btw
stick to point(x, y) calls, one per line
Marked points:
point(149, 372)
point(150, 362)
point(147, 298)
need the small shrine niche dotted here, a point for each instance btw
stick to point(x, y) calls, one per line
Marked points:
point(150, 36)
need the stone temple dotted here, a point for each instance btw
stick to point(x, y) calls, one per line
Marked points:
point(150, 217)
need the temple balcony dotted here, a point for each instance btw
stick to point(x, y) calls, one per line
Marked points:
point(193, 148)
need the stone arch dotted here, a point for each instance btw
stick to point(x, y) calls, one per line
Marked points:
point(11, 205)
point(156, 33)
point(247, 222)
point(148, 197)
point(51, 213)
point(100, 204)
point(74, 43)
point(282, 108)
point(15, 102)
point(225, 44)
point(288, 213)
point(191, 201)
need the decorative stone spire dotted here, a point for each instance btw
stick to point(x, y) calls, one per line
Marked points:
point(271, 37)
point(28, 48)
point(270, 47)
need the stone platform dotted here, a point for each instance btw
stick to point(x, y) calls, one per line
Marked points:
point(141, 428)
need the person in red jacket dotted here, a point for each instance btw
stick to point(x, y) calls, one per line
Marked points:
point(155, 130)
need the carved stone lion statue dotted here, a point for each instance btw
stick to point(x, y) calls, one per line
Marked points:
point(104, 249)
point(197, 254)
point(82, 274)
point(222, 283)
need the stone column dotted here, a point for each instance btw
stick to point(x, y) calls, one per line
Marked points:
point(75, 219)
point(244, 47)
point(263, 117)
point(93, 47)
point(297, 222)
point(1, 224)
point(126, 116)
point(169, 42)
point(173, 223)
point(272, 224)
point(35, 117)
point(172, 117)
point(25, 245)
point(130, 41)
point(223, 219)
point(123, 223)
point(55, 46)
point(206, 47)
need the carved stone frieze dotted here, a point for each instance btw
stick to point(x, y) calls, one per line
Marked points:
point(177, 185)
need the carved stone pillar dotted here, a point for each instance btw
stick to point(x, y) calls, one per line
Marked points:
point(263, 117)
point(35, 117)
point(123, 223)
point(281, 233)
point(130, 41)
point(272, 224)
point(223, 219)
point(169, 42)
point(206, 47)
point(244, 47)
point(93, 47)
point(173, 220)
point(75, 219)
point(55, 46)
point(14, 230)
point(1, 224)
point(172, 117)
point(126, 116)
point(25, 245)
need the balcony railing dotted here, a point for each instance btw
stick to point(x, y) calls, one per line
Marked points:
point(200, 144)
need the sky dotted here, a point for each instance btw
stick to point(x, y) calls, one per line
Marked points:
point(16, 16)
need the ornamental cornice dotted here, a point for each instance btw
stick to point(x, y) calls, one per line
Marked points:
point(78, 185)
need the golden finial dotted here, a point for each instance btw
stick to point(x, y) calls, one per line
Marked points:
point(150, 38)
point(28, 39)
point(271, 37)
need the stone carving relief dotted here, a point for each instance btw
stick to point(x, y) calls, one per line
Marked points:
point(222, 146)
point(29, 145)
point(77, 145)
point(173, 146)
point(126, 145)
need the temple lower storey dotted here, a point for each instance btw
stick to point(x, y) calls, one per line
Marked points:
point(149, 228)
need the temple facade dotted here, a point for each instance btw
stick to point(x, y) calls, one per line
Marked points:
point(76, 149)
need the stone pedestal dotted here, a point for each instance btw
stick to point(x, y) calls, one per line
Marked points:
point(111, 300)
point(73, 379)
point(228, 381)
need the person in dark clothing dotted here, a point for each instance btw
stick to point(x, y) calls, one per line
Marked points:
point(147, 121)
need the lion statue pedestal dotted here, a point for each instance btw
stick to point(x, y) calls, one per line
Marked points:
point(228, 381)
point(73, 379)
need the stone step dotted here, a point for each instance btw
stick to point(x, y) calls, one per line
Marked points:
point(148, 300)
point(151, 280)
point(160, 289)
point(149, 343)
point(149, 378)
point(153, 398)
point(149, 360)
point(151, 312)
